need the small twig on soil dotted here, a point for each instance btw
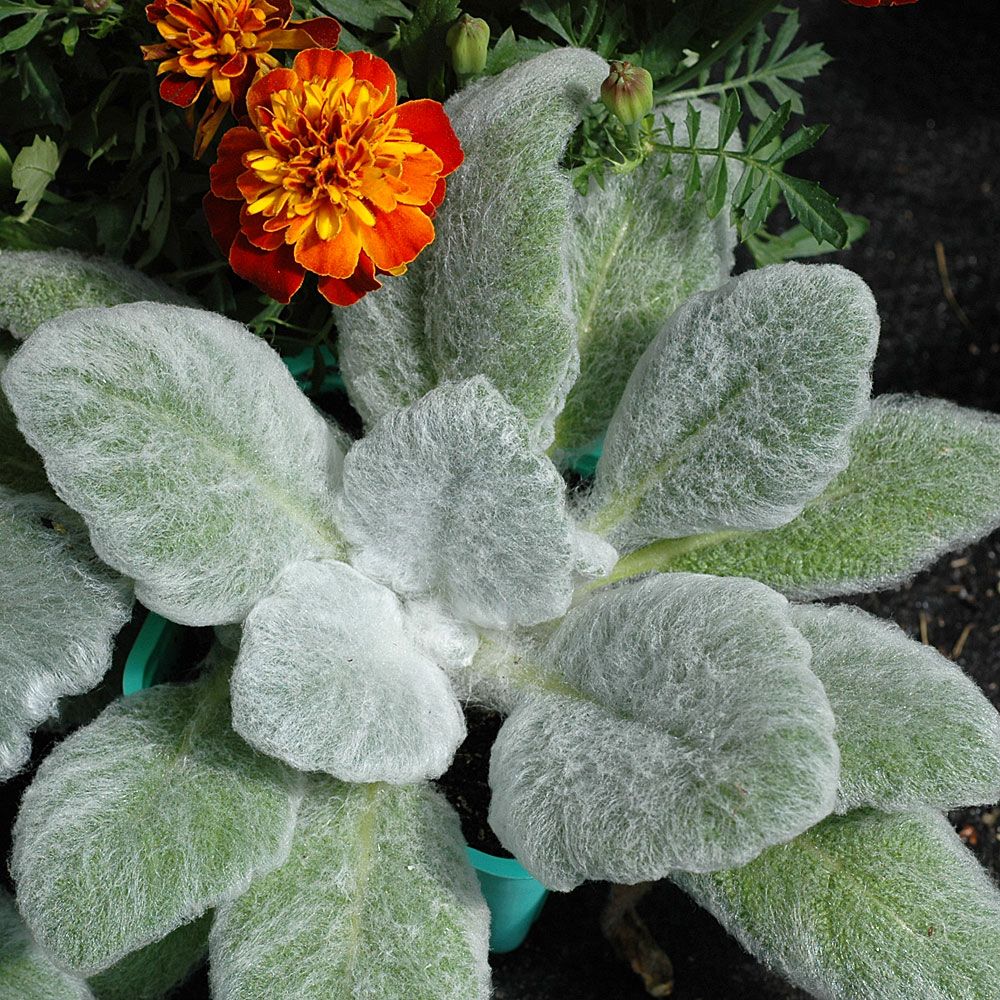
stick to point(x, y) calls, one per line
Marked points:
point(949, 294)
point(925, 637)
point(956, 650)
point(633, 942)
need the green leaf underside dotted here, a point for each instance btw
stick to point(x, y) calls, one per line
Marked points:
point(152, 814)
point(376, 902)
point(638, 249)
point(26, 972)
point(60, 612)
point(153, 971)
point(606, 768)
point(329, 680)
point(868, 906)
point(152, 416)
point(496, 273)
point(740, 410)
point(924, 478)
point(41, 285)
point(912, 729)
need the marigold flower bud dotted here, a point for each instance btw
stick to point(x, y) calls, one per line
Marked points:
point(469, 40)
point(96, 6)
point(628, 92)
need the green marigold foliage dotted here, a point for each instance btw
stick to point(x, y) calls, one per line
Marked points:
point(670, 712)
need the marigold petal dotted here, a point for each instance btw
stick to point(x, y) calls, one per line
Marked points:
point(347, 291)
point(180, 90)
point(322, 32)
point(322, 64)
point(228, 166)
point(156, 11)
point(208, 126)
point(185, 15)
point(427, 122)
point(397, 237)
point(282, 12)
point(253, 228)
point(223, 220)
point(379, 74)
point(235, 66)
point(336, 257)
point(260, 92)
point(274, 272)
point(420, 175)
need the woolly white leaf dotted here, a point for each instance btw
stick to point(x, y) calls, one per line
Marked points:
point(911, 727)
point(496, 275)
point(741, 409)
point(328, 680)
point(447, 498)
point(382, 346)
point(376, 902)
point(141, 821)
point(868, 906)
point(26, 972)
point(39, 285)
point(21, 467)
point(678, 726)
point(639, 248)
point(199, 467)
point(924, 479)
point(60, 610)
point(154, 971)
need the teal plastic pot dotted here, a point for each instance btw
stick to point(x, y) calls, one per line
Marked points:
point(514, 897)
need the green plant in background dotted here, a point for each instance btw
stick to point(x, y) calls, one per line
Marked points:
point(671, 713)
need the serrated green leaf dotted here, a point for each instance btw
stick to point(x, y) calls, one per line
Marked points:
point(770, 128)
point(798, 142)
point(729, 118)
point(606, 769)
point(798, 243)
point(33, 170)
point(639, 248)
point(155, 971)
point(150, 416)
point(497, 277)
point(19, 37)
point(912, 729)
point(376, 902)
point(867, 906)
point(26, 972)
point(366, 703)
point(153, 813)
point(39, 286)
point(365, 14)
point(716, 188)
point(692, 183)
point(756, 104)
point(510, 50)
point(741, 409)
point(924, 478)
point(59, 614)
point(422, 45)
point(814, 208)
point(41, 86)
point(542, 12)
point(783, 38)
point(6, 166)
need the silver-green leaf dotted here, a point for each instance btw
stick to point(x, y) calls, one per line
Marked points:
point(868, 906)
point(199, 467)
point(741, 409)
point(26, 971)
point(39, 285)
point(674, 724)
point(376, 902)
point(144, 819)
point(912, 728)
point(329, 680)
point(924, 478)
point(638, 249)
point(60, 610)
point(497, 276)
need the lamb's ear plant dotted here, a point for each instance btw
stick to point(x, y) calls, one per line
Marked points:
point(670, 712)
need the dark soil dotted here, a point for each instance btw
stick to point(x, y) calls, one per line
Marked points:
point(466, 784)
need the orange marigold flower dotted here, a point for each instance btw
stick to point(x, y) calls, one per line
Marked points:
point(333, 177)
point(224, 43)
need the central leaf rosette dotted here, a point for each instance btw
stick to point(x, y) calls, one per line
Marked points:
point(333, 177)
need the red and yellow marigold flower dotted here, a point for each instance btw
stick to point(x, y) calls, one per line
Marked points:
point(223, 44)
point(332, 177)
